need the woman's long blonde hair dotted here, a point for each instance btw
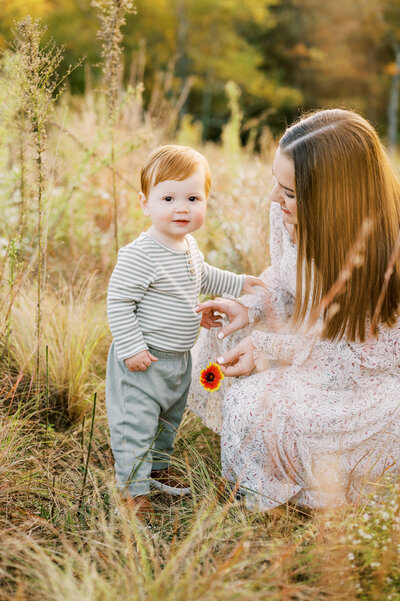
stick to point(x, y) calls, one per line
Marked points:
point(348, 223)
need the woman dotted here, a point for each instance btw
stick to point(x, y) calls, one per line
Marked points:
point(314, 416)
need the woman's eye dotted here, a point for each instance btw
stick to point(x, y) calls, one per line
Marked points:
point(168, 198)
point(290, 195)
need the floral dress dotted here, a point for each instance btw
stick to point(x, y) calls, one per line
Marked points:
point(318, 421)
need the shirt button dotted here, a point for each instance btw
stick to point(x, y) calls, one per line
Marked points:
point(192, 271)
point(188, 252)
point(190, 261)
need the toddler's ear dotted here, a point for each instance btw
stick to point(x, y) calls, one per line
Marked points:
point(143, 203)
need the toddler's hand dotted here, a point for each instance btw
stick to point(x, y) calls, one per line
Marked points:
point(237, 314)
point(140, 362)
point(250, 282)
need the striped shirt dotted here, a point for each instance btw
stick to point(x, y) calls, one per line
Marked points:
point(153, 291)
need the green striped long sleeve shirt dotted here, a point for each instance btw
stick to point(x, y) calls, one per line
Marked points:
point(153, 291)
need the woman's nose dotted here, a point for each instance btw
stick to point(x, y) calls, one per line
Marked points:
point(275, 196)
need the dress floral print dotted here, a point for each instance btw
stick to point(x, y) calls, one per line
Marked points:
point(319, 420)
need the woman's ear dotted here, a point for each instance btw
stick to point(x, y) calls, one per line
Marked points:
point(143, 204)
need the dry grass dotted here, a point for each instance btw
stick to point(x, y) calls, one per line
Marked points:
point(199, 548)
point(74, 331)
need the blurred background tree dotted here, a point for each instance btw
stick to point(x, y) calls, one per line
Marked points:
point(285, 55)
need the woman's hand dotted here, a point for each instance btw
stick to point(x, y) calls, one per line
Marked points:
point(239, 361)
point(237, 314)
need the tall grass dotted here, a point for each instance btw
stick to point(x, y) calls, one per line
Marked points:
point(198, 548)
point(39, 87)
point(75, 329)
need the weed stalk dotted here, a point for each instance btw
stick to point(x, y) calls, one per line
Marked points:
point(88, 452)
point(11, 280)
point(40, 87)
point(47, 388)
point(112, 14)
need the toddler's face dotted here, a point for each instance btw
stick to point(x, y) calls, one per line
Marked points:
point(176, 207)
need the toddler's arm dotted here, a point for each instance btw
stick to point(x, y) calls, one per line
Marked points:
point(131, 278)
point(217, 281)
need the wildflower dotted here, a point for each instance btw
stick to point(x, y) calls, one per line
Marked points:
point(350, 556)
point(211, 377)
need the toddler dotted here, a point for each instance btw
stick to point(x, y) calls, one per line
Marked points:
point(151, 301)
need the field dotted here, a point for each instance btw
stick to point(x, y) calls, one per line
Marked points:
point(67, 177)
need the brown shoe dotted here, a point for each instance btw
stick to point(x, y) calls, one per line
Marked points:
point(140, 506)
point(168, 481)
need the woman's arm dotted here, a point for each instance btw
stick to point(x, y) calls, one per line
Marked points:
point(257, 350)
point(272, 303)
point(268, 307)
point(380, 353)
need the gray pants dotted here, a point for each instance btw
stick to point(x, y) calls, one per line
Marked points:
point(144, 411)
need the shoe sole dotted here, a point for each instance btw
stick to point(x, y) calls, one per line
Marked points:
point(171, 490)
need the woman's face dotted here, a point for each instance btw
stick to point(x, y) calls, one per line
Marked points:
point(284, 186)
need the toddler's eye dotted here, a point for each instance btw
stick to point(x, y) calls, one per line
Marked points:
point(168, 198)
point(192, 198)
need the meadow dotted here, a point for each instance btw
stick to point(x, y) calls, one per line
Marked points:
point(70, 172)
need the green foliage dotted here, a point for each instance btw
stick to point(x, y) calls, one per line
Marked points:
point(283, 54)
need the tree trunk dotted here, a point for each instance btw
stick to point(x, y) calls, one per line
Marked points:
point(206, 102)
point(393, 112)
point(182, 63)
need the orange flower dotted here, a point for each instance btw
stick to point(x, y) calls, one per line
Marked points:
point(211, 377)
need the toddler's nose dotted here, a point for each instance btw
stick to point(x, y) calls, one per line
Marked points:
point(182, 208)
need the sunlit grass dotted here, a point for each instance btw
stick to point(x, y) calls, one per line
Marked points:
point(199, 548)
point(74, 331)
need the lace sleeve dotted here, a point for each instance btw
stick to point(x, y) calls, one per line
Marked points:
point(352, 358)
point(277, 300)
point(273, 303)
